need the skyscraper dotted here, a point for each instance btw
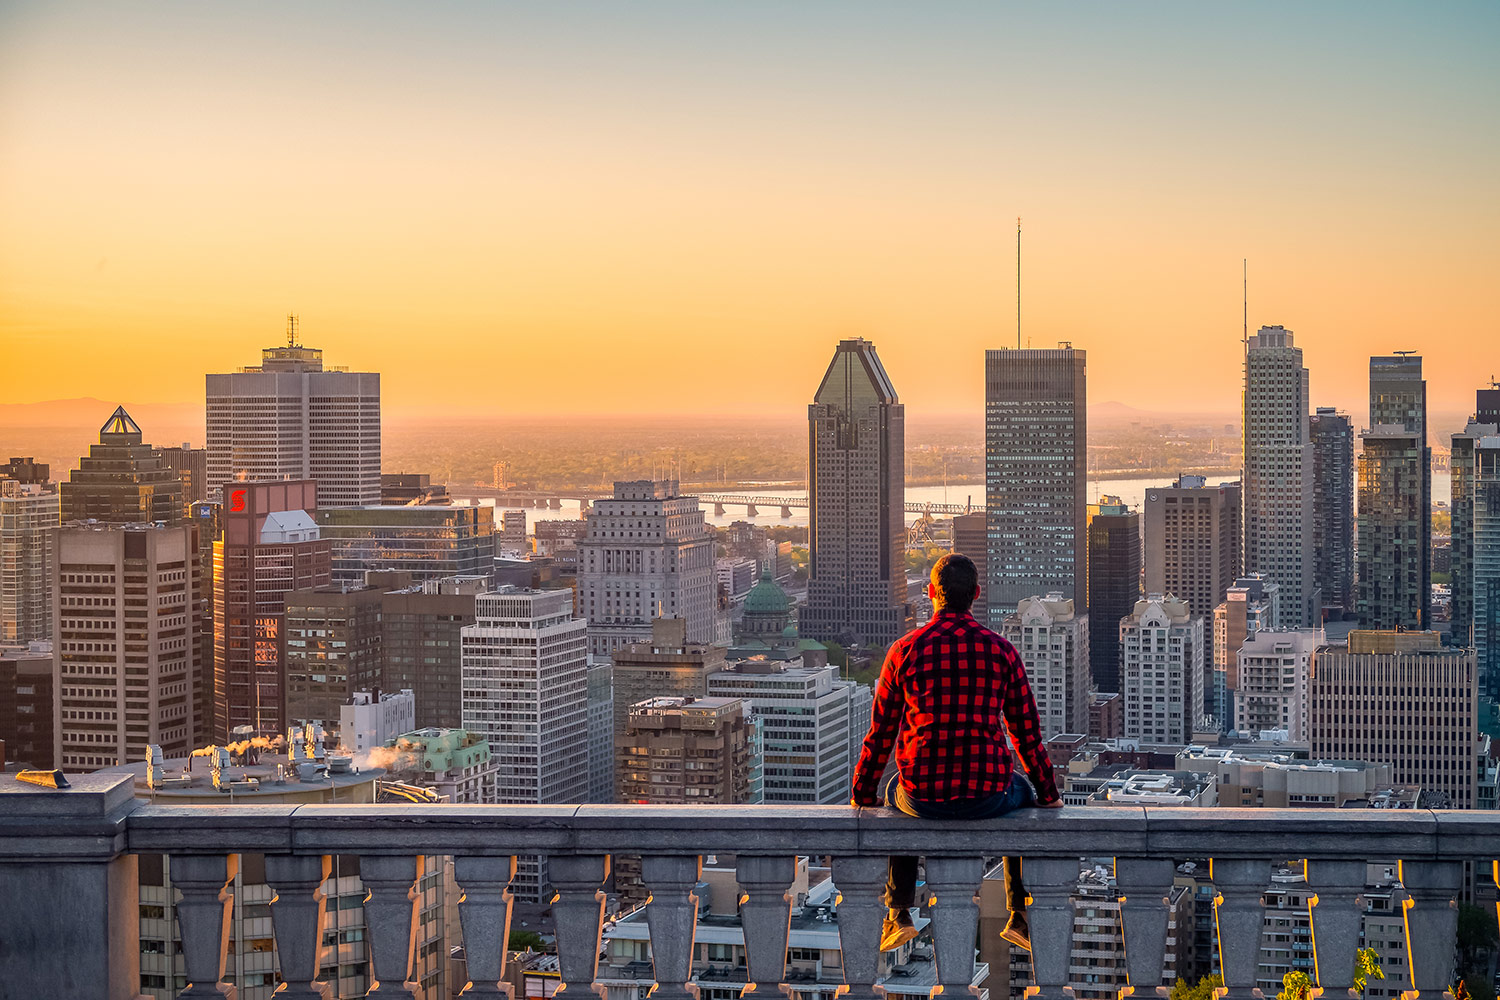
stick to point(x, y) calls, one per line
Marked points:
point(525, 670)
point(191, 466)
point(1278, 483)
point(1332, 436)
point(126, 642)
point(1114, 545)
point(269, 547)
point(1054, 644)
point(1036, 475)
point(1193, 540)
point(1251, 605)
point(971, 539)
point(290, 418)
point(857, 498)
point(122, 480)
point(429, 542)
point(1399, 697)
point(333, 649)
point(1275, 668)
point(1486, 421)
point(1161, 670)
point(1395, 496)
point(1486, 571)
point(29, 513)
point(647, 553)
point(422, 638)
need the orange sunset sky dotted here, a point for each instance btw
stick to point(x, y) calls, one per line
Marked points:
point(679, 207)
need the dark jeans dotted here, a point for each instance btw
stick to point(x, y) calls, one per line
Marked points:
point(901, 886)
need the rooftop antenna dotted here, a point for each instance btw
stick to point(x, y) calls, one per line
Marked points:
point(1403, 353)
point(1018, 282)
point(291, 330)
point(1245, 297)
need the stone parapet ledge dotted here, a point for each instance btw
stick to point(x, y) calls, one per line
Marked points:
point(85, 821)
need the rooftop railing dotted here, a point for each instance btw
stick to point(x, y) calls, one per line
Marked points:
point(69, 904)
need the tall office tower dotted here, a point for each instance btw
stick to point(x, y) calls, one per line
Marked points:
point(857, 498)
point(1251, 605)
point(971, 539)
point(1054, 644)
point(1486, 572)
point(806, 718)
point(429, 542)
point(1193, 539)
point(666, 665)
point(1161, 670)
point(122, 480)
point(1394, 560)
point(1114, 543)
point(268, 547)
point(525, 675)
point(191, 466)
point(333, 649)
point(1275, 668)
point(26, 470)
point(26, 696)
point(126, 648)
point(1035, 475)
point(1461, 509)
point(601, 689)
point(1332, 436)
point(422, 636)
point(1399, 697)
point(647, 553)
point(1278, 484)
point(28, 513)
point(291, 419)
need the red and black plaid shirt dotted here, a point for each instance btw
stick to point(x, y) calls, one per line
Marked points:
point(951, 689)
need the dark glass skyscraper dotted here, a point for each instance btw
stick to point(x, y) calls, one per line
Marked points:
point(1035, 475)
point(857, 495)
point(122, 480)
point(1114, 541)
point(1395, 497)
point(1485, 422)
point(1332, 436)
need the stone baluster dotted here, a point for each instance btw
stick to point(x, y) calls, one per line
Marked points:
point(953, 885)
point(297, 917)
point(578, 912)
point(203, 919)
point(1431, 907)
point(765, 914)
point(1144, 885)
point(1337, 916)
point(1051, 883)
point(672, 917)
point(390, 915)
point(1239, 913)
point(484, 914)
point(861, 911)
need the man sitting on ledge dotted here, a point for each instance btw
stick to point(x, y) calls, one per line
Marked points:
point(947, 695)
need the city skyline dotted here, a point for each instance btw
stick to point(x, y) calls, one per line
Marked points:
point(866, 173)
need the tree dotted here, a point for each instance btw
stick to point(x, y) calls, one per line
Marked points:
point(1295, 986)
point(525, 941)
point(1205, 990)
point(1366, 967)
point(1476, 939)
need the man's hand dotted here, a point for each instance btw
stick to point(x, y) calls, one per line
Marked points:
point(1054, 804)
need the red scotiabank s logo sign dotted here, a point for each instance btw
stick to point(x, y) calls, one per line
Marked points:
point(236, 500)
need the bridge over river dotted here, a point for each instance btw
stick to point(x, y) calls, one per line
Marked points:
point(553, 499)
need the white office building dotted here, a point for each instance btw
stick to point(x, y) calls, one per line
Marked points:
point(1054, 645)
point(1161, 670)
point(27, 513)
point(647, 553)
point(1275, 668)
point(290, 418)
point(807, 714)
point(525, 690)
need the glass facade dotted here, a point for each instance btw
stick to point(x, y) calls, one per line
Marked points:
point(427, 542)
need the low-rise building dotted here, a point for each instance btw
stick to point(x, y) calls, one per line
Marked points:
point(454, 763)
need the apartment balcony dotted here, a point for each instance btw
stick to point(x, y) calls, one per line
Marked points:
point(69, 906)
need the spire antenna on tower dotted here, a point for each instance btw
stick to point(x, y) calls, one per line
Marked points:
point(1018, 282)
point(1245, 296)
point(291, 330)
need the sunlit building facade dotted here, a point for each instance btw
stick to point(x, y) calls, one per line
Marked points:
point(1394, 553)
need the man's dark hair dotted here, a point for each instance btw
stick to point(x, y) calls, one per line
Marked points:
point(955, 579)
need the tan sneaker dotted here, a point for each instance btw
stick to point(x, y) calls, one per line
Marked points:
point(898, 930)
point(1017, 931)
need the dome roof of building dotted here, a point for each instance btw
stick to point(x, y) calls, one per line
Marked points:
point(766, 597)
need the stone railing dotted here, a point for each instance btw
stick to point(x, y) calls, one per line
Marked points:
point(68, 891)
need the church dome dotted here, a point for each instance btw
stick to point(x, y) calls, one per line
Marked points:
point(766, 597)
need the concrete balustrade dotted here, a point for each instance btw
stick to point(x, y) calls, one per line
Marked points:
point(68, 904)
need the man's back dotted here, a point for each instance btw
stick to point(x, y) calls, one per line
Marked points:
point(952, 689)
